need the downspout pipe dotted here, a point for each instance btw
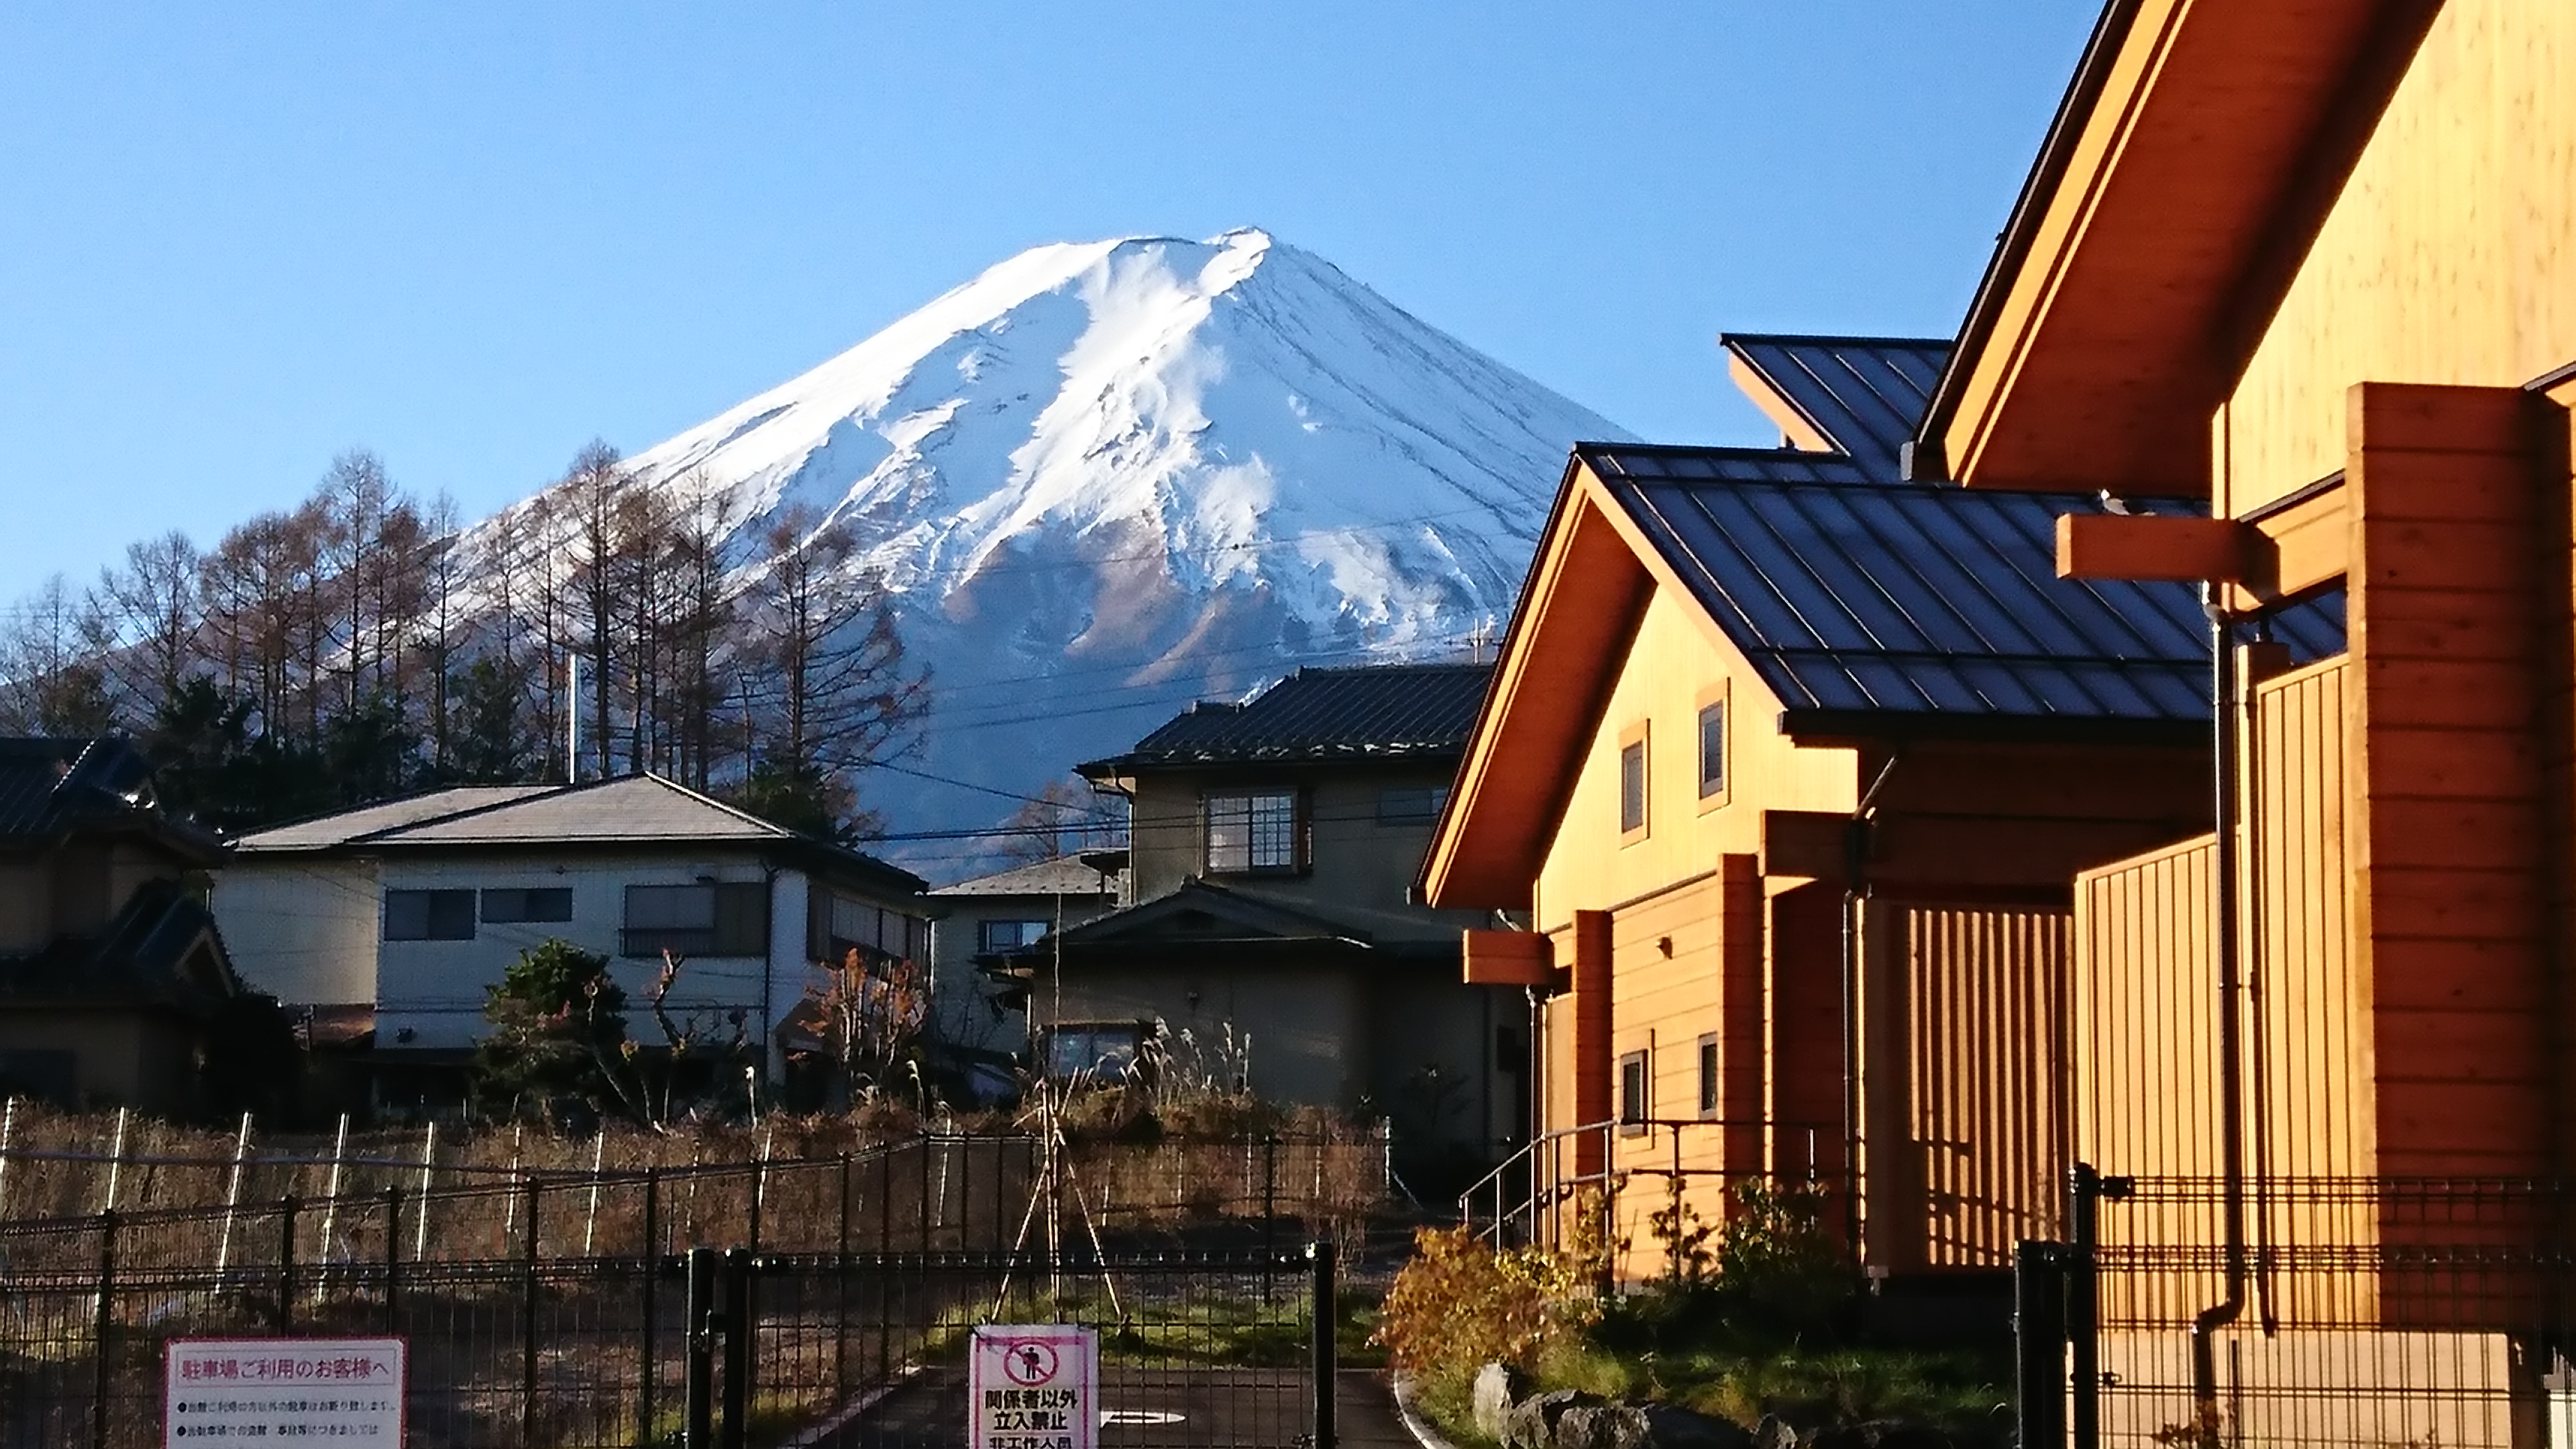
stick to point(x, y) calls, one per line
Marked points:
point(2224, 943)
point(1855, 890)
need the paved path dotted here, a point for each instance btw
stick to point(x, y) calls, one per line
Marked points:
point(1152, 1409)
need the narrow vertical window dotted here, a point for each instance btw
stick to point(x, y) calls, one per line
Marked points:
point(1632, 787)
point(1633, 1106)
point(1712, 749)
point(1708, 1076)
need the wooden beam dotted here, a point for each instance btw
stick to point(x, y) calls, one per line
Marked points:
point(1806, 844)
point(2114, 546)
point(1508, 958)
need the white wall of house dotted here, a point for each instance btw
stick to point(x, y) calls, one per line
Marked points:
point(304, 931)
point(311, 932)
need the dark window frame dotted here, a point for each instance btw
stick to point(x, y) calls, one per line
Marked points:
point(1636, 788)
point(1021, 938)
point(1263, 853)
point(1636, 1093)
point(1711, 1091)
point(1712, 783)
point(737, 925)
point(444, 914)
point(1411, 805)
point(530, 905)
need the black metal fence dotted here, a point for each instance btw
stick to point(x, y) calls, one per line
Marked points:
point(2316, 1311)
point(556, 1312)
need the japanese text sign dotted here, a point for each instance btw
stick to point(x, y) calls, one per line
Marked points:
point(228, 1390)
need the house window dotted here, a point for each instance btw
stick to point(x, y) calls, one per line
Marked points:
point(729, 919)
point(1010, 935)
point(1411, 807)
point(1633, 1106)
point(1252, 831)
point(1708, 1076)
point(1712, 749)
point(1632, 787)
point(429, 915)
point(1097, 1050)
point(515, 906)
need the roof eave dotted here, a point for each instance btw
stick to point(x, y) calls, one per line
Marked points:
point(1862, 726)
point(2097, 336)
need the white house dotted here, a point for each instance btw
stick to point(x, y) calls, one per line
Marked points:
point(408, 912)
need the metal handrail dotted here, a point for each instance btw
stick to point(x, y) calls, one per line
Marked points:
point(1559, 1185)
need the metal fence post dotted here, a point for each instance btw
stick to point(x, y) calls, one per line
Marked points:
point(286, 1264)
point(393, 1255)
point(528, 1326)
point(103, 1319)
point(2084, 1194)
point(2039, 1343)
point(1327, 1311)
point(698, 1385)
point(737, 1349)
point(841, 1288)
point(1269, 1210)
point(652, 1264)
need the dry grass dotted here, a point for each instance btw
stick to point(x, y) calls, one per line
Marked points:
point(787, 1184)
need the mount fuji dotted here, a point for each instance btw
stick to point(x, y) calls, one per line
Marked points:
point(1104, 479)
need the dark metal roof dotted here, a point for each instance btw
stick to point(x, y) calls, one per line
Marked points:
point(1865, 394)
point(1855, 597)
point(1362, 712)
point(50, 787)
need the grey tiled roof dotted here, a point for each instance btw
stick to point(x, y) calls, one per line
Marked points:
point(1853, 594)
point(1363, 712)
point(1065, 876)
point(1865, 394)
point(633, 810)
point(347, 825)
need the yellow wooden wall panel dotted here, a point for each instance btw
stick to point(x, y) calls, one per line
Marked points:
point(2443, 260)
point(1987, 1077)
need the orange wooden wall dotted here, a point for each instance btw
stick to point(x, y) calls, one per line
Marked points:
point(1983, 1156)
point(2450, 844)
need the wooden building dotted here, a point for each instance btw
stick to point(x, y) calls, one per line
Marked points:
point(2315, 261)
point(1792, 766)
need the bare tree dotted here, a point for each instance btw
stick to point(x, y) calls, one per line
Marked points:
point(835, 690)
point(50, 679)
point(590, 492)
point(155, 616)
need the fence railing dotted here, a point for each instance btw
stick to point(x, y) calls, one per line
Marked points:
point(1606, 1181)
point(2349, 1311)
point(546, 1309)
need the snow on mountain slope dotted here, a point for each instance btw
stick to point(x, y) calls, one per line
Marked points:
point(1104, 479)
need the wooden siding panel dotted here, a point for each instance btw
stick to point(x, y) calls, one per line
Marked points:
point(2143, 1090)
point(1986, 995)
point(2443, 259)
point(2432, 472)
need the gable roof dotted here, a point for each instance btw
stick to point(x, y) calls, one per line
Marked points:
point(1361, 712)
point(1855, 598)
point(2191, 163)
point(627, 811)
point(1861, 396)
point(52, 786)
point(1868, 608)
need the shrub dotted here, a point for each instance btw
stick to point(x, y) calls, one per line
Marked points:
point(1459, 1304)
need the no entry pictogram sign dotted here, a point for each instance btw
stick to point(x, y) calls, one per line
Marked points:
point(1033, 1386)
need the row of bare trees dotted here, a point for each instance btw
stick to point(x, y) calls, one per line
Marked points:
point(364, 643)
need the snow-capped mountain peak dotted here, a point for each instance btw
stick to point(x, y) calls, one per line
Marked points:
point(1105, 477)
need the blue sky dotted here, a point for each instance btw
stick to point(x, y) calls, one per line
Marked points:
point(472, 236)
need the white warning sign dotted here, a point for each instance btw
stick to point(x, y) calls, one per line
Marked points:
point(1033, 1386)
point(227, 1390)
